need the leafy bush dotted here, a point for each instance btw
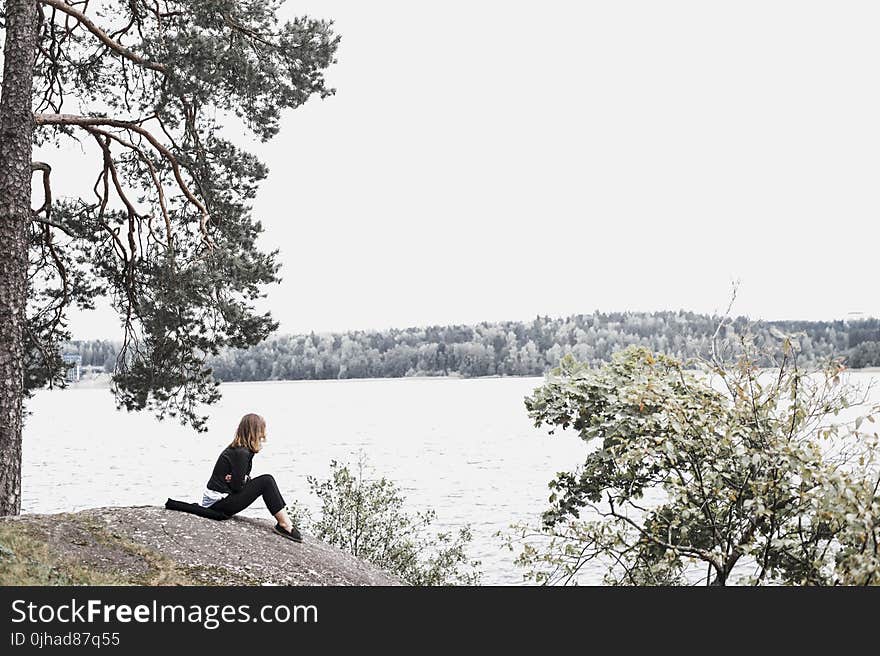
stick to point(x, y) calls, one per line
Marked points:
point(367, 519)
point(731, 474)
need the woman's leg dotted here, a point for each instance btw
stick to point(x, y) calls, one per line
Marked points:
point(283, 520)
point(263, 486)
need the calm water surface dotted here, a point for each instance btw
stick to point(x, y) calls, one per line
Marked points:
point(463, 447)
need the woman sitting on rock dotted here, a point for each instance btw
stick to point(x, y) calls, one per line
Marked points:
point(231, 489)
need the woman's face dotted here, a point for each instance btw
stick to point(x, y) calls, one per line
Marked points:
point(260, 443)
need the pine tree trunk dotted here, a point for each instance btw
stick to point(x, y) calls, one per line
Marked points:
point(16, 131)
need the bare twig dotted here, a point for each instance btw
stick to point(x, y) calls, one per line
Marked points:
point(46, 207)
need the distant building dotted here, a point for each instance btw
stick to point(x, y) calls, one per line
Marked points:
point(74, 363)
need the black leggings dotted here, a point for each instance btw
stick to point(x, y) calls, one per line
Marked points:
point(264, 486)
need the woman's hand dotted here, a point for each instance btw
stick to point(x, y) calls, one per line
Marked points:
point(227, 478)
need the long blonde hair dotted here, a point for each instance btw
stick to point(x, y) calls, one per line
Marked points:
point(251, 432)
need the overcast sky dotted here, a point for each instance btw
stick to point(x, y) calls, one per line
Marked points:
point(489, 160)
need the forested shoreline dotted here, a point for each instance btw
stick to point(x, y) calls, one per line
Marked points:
point(509, 348)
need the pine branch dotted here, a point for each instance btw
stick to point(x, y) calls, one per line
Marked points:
point(91, 121)
point(102, 36)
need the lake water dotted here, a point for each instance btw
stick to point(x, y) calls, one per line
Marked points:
point(465, 448)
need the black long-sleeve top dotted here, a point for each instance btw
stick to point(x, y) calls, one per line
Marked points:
point(233, 460)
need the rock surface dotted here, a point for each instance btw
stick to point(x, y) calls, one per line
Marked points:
point(135, 543)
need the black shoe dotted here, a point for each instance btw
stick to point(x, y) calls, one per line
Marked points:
point(292, 534)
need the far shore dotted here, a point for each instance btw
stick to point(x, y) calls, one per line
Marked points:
point(102, 380)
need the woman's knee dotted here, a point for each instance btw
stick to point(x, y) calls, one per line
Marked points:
point(266, 480)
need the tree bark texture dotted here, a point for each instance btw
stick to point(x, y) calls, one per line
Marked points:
point(16, 138)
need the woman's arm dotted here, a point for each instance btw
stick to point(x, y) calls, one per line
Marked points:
point(239, 462)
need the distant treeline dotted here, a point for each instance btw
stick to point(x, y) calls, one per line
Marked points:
point(96, 353)
point(510, 348)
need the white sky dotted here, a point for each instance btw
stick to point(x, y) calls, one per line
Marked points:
point(491, 160)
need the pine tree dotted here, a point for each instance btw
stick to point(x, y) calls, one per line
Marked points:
point(166, 232)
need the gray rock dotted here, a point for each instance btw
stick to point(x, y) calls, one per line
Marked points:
point(129, 541)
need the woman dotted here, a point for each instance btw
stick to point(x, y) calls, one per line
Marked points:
point(231, 489)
